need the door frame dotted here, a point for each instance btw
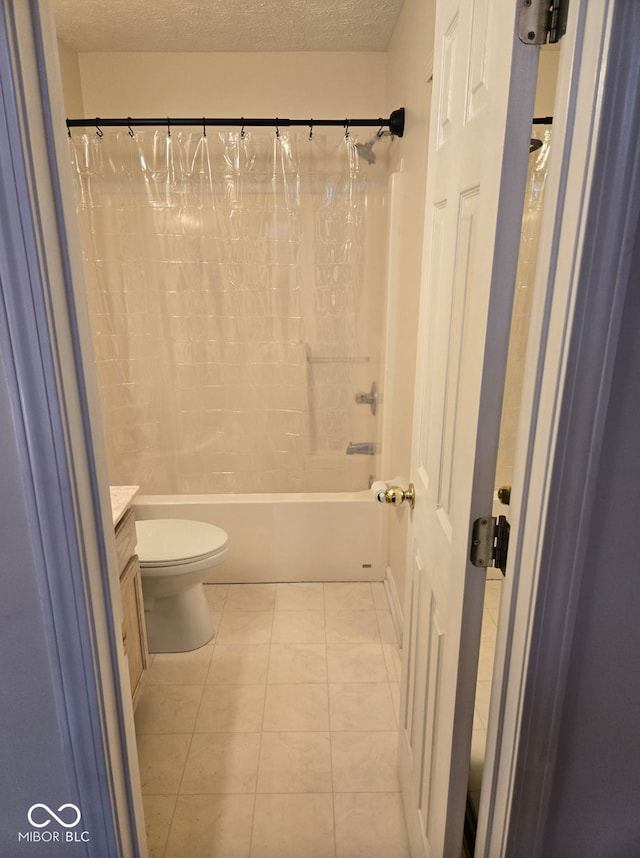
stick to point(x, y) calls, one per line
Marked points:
point(582, 278)
point(561, 386)
point(46, 348)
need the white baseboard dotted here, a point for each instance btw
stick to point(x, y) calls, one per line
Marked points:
point(394, 604)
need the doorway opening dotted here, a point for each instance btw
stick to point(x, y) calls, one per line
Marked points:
point(375, 81)
point(540, 152)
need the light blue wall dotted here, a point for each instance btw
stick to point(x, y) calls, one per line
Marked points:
point(60, 735)
point(32, 767)
point(595, 798)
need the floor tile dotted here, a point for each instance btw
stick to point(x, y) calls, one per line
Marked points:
point(245, 627)
point(386, 627)
point(488, 635)
point(161, 758)
point(239, 664)
point(216, 595)
point(483, 697)
point(291, 708)
point(180, 668)
point(353, 596)
point(250, 597)
point(295, 762)
point(370, 825)
point(298, 627)
point(211, 826)
point(283, 727)
point(293, 826)
point(485, 662)
point(494, 613)
point(158, 811)
point(221, 763)
point(356, 663)
point(380, 601)
point(352, 627)
point(300, 597)
point(478, 744)
point(489, 628)
point(168, 708)
point(393, 660)
point(365, 761)
point(231, 709)
point(295, 663)
point(361, 706)
point(394, 688)
point(492, 593)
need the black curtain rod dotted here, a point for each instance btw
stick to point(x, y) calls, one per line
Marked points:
point(542, 120)
point(395, 122)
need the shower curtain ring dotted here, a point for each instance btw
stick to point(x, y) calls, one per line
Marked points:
point(204, 127)
point(380, 131)
point(68, 128)
point(168, 127)
point(131, 134)
point(99, 130)
point(346, 129)
point(242, 131)
point(311, 129)
point(277, 129)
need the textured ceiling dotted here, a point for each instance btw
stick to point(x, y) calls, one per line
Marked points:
point(226, 25)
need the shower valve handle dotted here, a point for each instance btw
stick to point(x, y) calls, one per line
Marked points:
point(370, 398)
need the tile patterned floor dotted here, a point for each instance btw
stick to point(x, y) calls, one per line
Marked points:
point(493, 590)
point(278, 739)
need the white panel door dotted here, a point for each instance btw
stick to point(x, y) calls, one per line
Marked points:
point(484, 83)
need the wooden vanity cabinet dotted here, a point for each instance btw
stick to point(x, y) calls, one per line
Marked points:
point(134, 634)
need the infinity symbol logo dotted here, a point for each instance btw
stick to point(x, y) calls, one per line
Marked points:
point(54, 815)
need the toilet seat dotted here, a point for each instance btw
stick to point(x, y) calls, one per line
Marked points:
point(175, 542)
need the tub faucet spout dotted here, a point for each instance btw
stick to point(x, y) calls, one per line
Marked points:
point(367, 448)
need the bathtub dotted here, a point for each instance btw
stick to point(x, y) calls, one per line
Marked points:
point(287, 537)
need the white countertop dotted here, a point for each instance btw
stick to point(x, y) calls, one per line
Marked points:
point(121, 497)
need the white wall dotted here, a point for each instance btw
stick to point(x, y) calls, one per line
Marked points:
point(409, 64)
point(295, 85)
point(71, 83)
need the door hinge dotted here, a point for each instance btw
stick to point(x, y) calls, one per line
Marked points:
point(542, 21)
point(490, 542)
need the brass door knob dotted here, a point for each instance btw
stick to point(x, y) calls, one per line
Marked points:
point(395, 495)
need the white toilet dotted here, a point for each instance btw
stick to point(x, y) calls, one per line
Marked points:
point(176, 556)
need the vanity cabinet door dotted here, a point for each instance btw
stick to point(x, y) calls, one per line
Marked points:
point(133, 626)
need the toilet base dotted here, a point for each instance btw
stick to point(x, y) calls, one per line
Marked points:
point(180, 622)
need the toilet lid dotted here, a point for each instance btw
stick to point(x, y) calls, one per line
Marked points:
point(163, 541)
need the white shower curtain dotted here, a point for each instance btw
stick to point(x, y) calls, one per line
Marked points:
point(225, 279)
point(520, 319)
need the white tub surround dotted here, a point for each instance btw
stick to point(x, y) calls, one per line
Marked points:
point(287, 537)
